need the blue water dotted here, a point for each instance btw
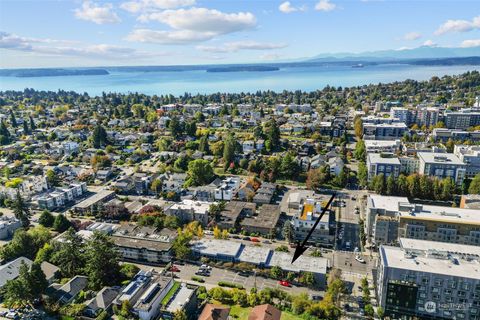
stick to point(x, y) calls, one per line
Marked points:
point(199, 81)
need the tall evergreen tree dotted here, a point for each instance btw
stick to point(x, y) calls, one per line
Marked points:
point(21, 210)
point(13, 120)
point(32, 124)
point(99, 136)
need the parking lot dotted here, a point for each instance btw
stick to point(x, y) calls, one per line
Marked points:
point(188, 271)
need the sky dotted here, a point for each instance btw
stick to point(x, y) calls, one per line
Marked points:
point(76, 33)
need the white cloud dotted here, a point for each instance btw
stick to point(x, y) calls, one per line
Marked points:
point(168, 37)
point(325, 5)
point(458, 26)
point(470, 43)
point(242, 45)
point(429, 43)
point(191, 25)
point(44, 46)
point(136, 6)
point(97, 13)
point(286, 7)
point(412, 36)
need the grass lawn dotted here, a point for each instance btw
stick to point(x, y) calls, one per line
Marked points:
point(290, 316)
point(170, 293)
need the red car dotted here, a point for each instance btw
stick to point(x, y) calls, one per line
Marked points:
point(254, 240)
point(284, 283)
point(174, 269)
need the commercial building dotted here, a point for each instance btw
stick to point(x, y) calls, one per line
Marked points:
point(224, 250)
point(429, 280)
point(60, 196)
point(383, 163)
point(442, 165)
point(234, 211)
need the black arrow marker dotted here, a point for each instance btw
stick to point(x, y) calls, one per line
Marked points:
point(300, 249)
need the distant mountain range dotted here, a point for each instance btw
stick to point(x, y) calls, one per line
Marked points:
point(423, 52)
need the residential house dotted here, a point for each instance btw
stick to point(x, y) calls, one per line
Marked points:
point(265, 312)
point(102, 301)
point(67, 292)
point(214, 312)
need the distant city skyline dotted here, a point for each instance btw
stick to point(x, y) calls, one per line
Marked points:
point(165, 32)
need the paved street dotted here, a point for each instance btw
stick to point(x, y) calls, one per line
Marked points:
point(187, 271)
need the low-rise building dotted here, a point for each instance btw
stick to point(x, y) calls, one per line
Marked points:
point(8, 226)
point(190, 210)
point(307, 215)
point(233, 212)
point(94, 203)
point(382, 146)
point(263, 223)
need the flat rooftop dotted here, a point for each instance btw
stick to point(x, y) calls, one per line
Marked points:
point(99, 196)
point(381, 143)
point(383, 159)
point(440, 158)
point(181, 298)
point(454, 215)
point(255, 254)
point(303, 263)
point(214, 247)
point(427, 245)
point(139, 244)
point(386, 202)
point(395, 257)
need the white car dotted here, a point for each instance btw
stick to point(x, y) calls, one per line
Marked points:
point(359, 259)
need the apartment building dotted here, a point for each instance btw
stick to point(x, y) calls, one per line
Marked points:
point(390, 218)
point(442, 165)
point(383, 163)
point(470, 155)
point(307, 215)
point(429, 280)
point(462, 119)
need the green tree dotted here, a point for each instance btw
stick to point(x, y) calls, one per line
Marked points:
point(180, 315)
point(21, 210)
point(203, 144)
point(13, 120)
point(181, 245)
point(32, 124)
point(61, 223)
point(175, 127)
point(276, 272)
point(414, 186)
point(287, 231)
point(272, 132)
point(448, 188)
point(378, 183)
point(199, 172)
point(46, 219)
point(69, 255)
point(4, 133)
point(229, 150)
point(29, 285)
point(474, 187)
point(289, 167)
point(358, 126)
point(26, 129)
point(25, 243)
point(99, 136)
point(156, 186)
point(362, 175)
point(360, 152)
point(52, 178)
point(102, 268)
point(391, 185)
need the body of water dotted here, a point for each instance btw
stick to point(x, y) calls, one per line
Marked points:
point(306, 78)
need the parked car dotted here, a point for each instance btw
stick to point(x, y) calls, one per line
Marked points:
point(359, 259)
point(206, 267)
point(174, 269)
point(244, 273)
point(267, 241)
point(246, 238)
point(254, 240)
point(284, 283)
point(208, 232)
point(234, 236)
